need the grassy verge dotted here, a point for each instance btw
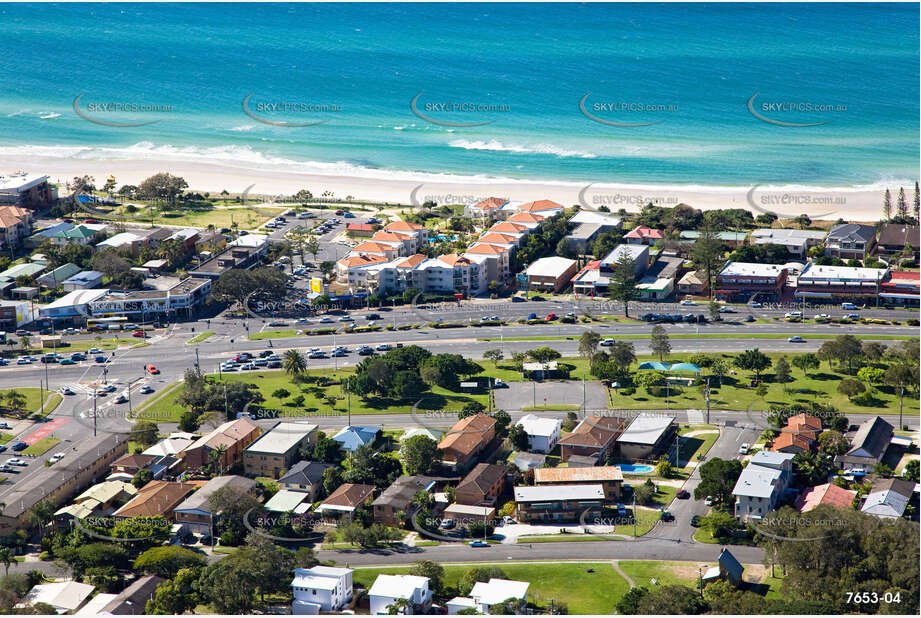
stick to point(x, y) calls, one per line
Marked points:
point(701, 336)
point(585, 588)
point(200, 337)
point(41, 447)
point(52, 402)
point(273, 334)
point(6, 437)
point(162, 406)
point(33, 401)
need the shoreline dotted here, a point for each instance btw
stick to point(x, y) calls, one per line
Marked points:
point(857, 204)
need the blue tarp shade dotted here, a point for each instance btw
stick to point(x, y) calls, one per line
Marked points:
point(655, 365)
point(685, 367)
point(86, 199)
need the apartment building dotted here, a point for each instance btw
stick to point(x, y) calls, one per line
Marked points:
point(272, 453)
point(559, 503)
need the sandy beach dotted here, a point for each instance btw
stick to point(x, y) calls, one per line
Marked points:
point(858, 204)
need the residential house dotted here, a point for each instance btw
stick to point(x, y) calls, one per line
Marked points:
point(355, 436)
point(658, 282)
point(525, 461)
point(496, 591)
point(727, 569)
point(171, 446)
point(59, 275)
point(888, 498)
point(306, 477)
point(15, 227)
point(827, 494)
point(347, 498)
point(693, 283)
point(797, 242)
point(559, 503)
point(195, 513)
point(482, 486)
point(156, 498)
point(607, 221)
point(496, 258)
point(85, 280)
point(131, 463)
point(64, 596)
point(895, 237)
point(405, 244)
point(849, 241)
point(431, 434)
point(83, 234)
point(466, 439)
point(639, 254)
point(222, 447)
point(868, 446)
point(761, 484)
point(643, 235)
point(611, 478)
point(728, 239)
point(395, 502)
point(353, 271)
point(274, 451)
point(740, 278)
point(550, 274)
point(102, 499)
point(414, 231)
point(527, 219)
point(321, 589)
point(412, 592)
point(543, 433)
point(287, 501)
point(133, 599)
point(594, 436)
point(370, 247)
point(799, 434)
point(485, 209)
point(544, 208)
point(582, 236)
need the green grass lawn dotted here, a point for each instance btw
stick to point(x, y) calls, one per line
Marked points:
point(273, 334)
point(247, 218)
point(51, 403)
point(665, 573)
point(33, 402)
point(6, 437)
point(693, 446)
point(200, 337)
point(583, 592)
point(165, 406)
point(42, 446)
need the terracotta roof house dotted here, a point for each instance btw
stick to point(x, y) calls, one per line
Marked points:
point(593, 437)
point(347, 498)
point(485, 208)
point(506, 227)
point(464, 441)
point(156, 498)
point(894, 237)
point(791, 442)
point(829, 494)
point(487, 249)
point(362, 260)
point(131, 463)
point(528, 219)
point(233, 437)
point(394, 502)
point(403, 226)
point(611, 478)
point(372, 247)
point(643, 235)
point(482, 486)
point(803, 421)
point(539, 206)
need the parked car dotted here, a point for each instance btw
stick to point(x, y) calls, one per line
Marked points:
point(500, 384)
point(708, 501)
point(695, 521)
point(274, 365)
point(19, 446)
point(744, 448)
point(384, 347)
point(447, 524)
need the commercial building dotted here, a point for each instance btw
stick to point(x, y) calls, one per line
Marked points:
point(321, 589)
point(901, 287)
point(196, 514)
point(73, 307)
point(181, 299)
point(839, 282)
point(233, 256)
point(15, 313)
point(658, 282)
point(550, 274)
point(647, 436)
point(850, 241)
point(745, 278)
point(274, 451)
point(559, 503)
point(15, 227)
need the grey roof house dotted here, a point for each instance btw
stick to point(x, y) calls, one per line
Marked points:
point(304, 476)
point(868, 445)
point(850, 241)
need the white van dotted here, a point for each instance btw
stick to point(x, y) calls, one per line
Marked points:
point(850, 306)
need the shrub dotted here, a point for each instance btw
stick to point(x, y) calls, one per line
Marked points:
point(865, 398)
point(627, 391)
point(913, 322)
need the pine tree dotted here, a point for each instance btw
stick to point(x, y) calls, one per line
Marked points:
point(887, 205)
point(902, 203)
point(917, 209)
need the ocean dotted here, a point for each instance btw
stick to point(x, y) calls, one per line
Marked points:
point(813, 95)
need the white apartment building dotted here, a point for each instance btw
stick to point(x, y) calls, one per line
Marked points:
point(321, 589)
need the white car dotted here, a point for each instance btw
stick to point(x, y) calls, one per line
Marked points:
point(793, 314)
point(708, 501)
point(65, 390)
point(744, 448)
point(725, 309)
point(146, 390)
point(56, 457)
point(94, 351)
point(326, 320)
point(688, 303)
point(15, 461)
point(607, 342)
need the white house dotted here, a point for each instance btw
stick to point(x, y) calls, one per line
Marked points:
point(762, 483)
point(64, 596)
point(485, 594)
point(389, 589)
point(543, 433)
point(321, 589)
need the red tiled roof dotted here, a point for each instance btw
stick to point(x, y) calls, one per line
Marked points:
point(491, 203)
point(487, 249)
point(525, 217)
point(359, 227)
point(362, 260)
point(539, 205)
point(824, 494)
point(403, 226)
point(644, 232)
point(505, 226)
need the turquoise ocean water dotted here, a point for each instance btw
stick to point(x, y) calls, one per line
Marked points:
point(689, 69)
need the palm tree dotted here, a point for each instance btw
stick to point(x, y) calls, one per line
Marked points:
point(6, 557)
point(294, 362)
point(24, 342)
point(15, 400)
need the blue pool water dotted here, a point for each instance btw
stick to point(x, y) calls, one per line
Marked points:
point(638, 469)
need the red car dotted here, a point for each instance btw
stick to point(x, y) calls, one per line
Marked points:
point(551, 316)
point(95, 328)
point(339, 212)
point(139, 333)
point(151, 369)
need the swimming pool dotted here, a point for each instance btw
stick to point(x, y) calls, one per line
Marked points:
point(638, 469)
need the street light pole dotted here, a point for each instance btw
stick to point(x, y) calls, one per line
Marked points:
point(94, 412)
